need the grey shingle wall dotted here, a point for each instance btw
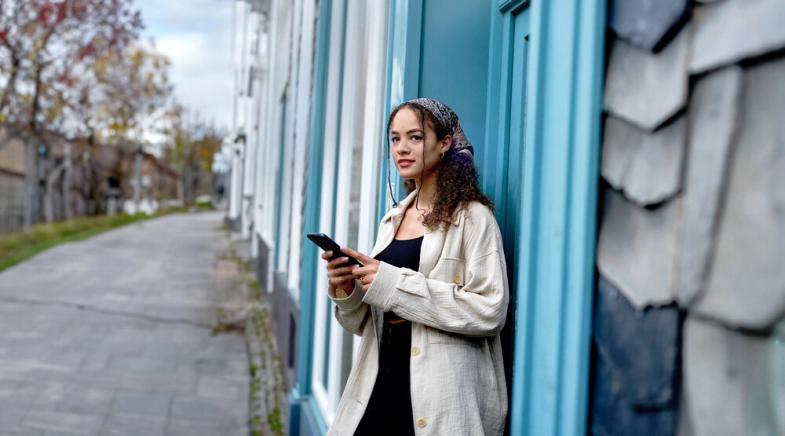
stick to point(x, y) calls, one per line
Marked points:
point(694, 206)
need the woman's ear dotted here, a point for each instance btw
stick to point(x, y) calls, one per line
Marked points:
point(445, 143)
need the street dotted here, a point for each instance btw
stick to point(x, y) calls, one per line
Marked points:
point(114, 336)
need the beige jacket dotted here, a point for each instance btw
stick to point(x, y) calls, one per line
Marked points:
point(457, 303)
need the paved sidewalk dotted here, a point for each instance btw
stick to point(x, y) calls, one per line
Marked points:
point(113, 336)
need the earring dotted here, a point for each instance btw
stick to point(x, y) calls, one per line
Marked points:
point(441, 156)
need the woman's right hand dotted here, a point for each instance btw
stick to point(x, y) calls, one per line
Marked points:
point(339, 275)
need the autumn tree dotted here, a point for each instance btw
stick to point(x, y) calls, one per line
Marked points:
point(125, 90)
point(47, 43)
point(45, 46)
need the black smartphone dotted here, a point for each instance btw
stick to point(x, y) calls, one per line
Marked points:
point(326, 243)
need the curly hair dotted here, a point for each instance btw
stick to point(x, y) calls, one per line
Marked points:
point(456, 183)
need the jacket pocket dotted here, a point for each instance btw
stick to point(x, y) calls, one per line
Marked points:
point(450, 270)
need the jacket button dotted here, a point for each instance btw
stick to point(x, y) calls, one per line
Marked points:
point(457, 279)
point(415, 351)
point(421, 423)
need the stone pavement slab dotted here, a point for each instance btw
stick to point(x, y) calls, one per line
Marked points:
point(113, 336)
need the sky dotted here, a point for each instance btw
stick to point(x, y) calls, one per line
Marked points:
point(196, 36)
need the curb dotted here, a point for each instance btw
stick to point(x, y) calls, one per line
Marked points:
point(267, 397)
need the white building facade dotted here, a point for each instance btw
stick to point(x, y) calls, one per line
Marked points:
point(277, 84)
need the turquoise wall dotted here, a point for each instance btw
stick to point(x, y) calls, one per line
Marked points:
point(454, 60)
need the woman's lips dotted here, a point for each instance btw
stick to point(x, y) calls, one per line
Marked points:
point(405, 163)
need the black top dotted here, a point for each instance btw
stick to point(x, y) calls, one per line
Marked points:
point(389, 410)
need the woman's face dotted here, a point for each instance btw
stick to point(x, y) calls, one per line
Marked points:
point(410, 144)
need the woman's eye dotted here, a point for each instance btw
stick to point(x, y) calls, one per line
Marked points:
point(394, 140)
point(416, 138)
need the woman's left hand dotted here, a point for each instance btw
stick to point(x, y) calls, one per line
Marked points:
point(366, 273)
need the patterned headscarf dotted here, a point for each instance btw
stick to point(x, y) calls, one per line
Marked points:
point(449, 119)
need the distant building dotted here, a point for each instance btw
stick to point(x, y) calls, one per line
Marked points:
point(68, 184)
point(634, 150)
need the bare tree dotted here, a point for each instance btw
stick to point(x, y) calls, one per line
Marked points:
point(193, 145)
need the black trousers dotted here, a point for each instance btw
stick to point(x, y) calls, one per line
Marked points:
point(389, 410)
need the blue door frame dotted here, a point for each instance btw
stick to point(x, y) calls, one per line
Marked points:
point(558, 196)
point(558, 216)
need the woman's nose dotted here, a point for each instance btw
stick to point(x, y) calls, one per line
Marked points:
point(401, 151)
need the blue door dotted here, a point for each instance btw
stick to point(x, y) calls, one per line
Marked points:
point(502, 167)
point(537, 149)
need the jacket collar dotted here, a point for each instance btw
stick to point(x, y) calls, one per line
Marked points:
point(396, 213)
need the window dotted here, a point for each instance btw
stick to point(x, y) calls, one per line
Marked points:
point(350, 174)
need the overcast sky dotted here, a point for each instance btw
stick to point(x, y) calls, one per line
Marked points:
point(196, 36)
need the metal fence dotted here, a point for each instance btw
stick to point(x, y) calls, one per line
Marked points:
point(12, 206)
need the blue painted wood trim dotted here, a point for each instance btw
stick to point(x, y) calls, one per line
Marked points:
point(384, 193)
point(505, 6)
point(413, 41)
point(559, 218)
point(302, 386)
point(493, 170)
point(404, 45)
point(305, 418)
point(586, 152)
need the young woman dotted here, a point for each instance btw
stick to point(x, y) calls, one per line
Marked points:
point(430, 300)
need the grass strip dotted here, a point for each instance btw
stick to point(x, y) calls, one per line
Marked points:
point(17, 247)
